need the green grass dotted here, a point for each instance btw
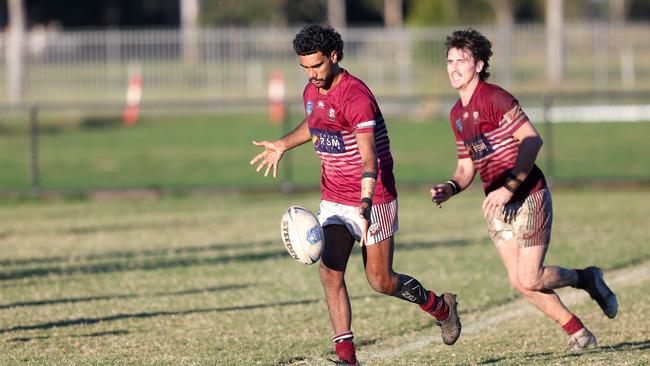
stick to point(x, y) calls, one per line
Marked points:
point(207, 151)
point(204, 280)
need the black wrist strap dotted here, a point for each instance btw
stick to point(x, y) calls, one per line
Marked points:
point(509, 188)
point(455, 187)
point(514, 177)
point(367, 200)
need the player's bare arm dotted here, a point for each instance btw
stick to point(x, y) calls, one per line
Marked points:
point(529, 145)
point(274, 150)
point(462, 178)
point(367, 150)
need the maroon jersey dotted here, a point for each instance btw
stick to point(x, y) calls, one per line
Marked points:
point(334, 119)
point(484, 132)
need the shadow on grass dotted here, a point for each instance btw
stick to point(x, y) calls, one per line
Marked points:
point(124, 296)
point(641, 345)
point(554, 357)
point(154, 314)
point(292, 361)
point(144, 264)
point(146, 315)
point(136, 253)
point(96, 334)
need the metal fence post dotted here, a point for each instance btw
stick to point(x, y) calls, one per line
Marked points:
point(548, 138)
point(34, 180)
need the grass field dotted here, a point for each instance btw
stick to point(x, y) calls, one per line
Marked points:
point(205, 280)
point(213, 151)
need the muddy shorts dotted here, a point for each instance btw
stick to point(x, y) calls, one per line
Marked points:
point(528, 221)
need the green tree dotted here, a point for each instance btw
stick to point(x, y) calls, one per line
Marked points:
point(244, 12)
point(448, 12)
point(432, 12)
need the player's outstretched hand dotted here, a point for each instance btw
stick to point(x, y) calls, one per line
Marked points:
point(270, 157)
point(440, 193)
point(494, 201)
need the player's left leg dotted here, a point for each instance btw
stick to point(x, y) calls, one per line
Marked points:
point(378, 262)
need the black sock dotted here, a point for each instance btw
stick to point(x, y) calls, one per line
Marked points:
point(409, 289)
point(582, 279)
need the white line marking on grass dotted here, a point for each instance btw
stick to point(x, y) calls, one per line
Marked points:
point(479, 321)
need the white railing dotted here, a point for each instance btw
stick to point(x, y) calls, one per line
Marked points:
point(227, 64)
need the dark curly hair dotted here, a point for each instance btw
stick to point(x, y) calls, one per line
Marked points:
point(314, 37)
point(476, 43)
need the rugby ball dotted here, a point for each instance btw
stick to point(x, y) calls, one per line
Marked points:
point(302, 235)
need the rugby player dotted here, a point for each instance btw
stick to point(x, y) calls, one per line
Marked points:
point(359, 198)
point(496, 138)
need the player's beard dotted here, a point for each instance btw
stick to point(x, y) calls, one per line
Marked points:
point(326, 83)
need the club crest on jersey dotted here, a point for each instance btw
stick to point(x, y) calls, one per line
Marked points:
point(478, 147)
point(310, 107)
point(331, 114)
point(314, 235)
point(459, 125)
point(475, 115)
point(374, 229)
point(513, 114)
point(327, 141)
point(321, 104)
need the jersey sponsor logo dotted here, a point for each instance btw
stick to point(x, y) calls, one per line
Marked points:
point(327, 141)
point(310, 107)
point(478, 147)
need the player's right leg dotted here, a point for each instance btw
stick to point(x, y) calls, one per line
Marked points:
point(336, 252)
point(525, 275)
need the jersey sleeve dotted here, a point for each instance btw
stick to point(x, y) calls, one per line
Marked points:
point(506, 110)
point(461, 150)
point(361, 112)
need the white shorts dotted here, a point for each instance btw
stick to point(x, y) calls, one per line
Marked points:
point(383, 219)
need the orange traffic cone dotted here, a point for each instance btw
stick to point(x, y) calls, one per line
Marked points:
point(133, 97)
